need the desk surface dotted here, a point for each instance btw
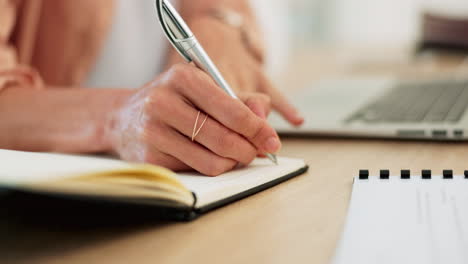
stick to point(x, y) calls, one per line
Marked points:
point(299, 221)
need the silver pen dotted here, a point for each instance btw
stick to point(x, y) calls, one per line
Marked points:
point(184, 41)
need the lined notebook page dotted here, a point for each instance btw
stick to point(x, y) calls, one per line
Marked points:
point(213, 189)
point(406, 221)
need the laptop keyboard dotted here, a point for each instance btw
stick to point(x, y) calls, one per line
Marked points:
point(428, 102)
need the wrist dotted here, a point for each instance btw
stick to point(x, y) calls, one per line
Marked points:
point(108, 129)
point(190, 8)
point(58, 120)
point(245, 26)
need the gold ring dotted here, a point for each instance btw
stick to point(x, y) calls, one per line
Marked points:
point(196, 130)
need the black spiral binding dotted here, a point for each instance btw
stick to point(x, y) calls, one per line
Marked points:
point(406, 174)
point(447, 174)
point(364, 174)
point(384, 174)
point(426, 174)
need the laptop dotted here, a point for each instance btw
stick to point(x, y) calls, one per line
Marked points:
point(382, 108)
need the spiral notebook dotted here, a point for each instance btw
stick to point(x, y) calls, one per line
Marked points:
point(406, 219)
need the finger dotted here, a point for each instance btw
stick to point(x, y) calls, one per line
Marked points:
point(280, 103)
point(180, 147)
point(159, 158)
point(214, 136)
point(260, 104)
point(200, 89)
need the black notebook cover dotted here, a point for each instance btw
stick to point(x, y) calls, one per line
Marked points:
point(92, 209)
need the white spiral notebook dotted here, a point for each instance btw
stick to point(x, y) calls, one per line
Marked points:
point(406, 219)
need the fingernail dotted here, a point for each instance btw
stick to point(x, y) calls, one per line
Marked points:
point(298, 115)
point(272, 145)
point(301, 119)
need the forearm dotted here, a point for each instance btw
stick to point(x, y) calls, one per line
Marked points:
point(214, 33)
point(61, 120)
point(195, 8)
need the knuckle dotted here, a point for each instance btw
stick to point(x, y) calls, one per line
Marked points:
point(257, 129)
point(227, 144)
point(184, 77)
point(152, 133)
point(178, 69)
point(242, 117)
point(180, 74)
point(166, 107)
point(250, 123)
point(218, 167)
point(249, 156)
point(262, 100)
point(160, 104)
point(150, 103)
point(231, 145)
point(161, 134)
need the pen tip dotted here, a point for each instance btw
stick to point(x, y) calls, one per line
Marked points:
point(273, 158)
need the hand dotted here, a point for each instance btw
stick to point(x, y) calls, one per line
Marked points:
point(155, 124)
point(241, 67)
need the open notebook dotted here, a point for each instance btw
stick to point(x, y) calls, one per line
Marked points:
point(183, 195)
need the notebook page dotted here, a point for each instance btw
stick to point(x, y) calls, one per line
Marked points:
point(17, 167)
point(212, 189)
point(406, 221)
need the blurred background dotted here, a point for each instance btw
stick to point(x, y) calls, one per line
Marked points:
point(347, 33)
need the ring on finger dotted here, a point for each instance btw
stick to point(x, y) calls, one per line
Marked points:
point(196, 130)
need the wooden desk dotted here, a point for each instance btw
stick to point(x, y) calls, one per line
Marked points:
point(299, 221)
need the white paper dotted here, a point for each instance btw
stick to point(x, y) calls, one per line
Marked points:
point(406, 221)
point(212, 189)
point(17, 167)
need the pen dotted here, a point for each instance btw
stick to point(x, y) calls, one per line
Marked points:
point(184, 41)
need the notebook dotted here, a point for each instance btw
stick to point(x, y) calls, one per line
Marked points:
point(406, 219)
point(181, 196)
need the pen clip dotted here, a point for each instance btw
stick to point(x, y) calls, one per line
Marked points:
point(175, 28)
